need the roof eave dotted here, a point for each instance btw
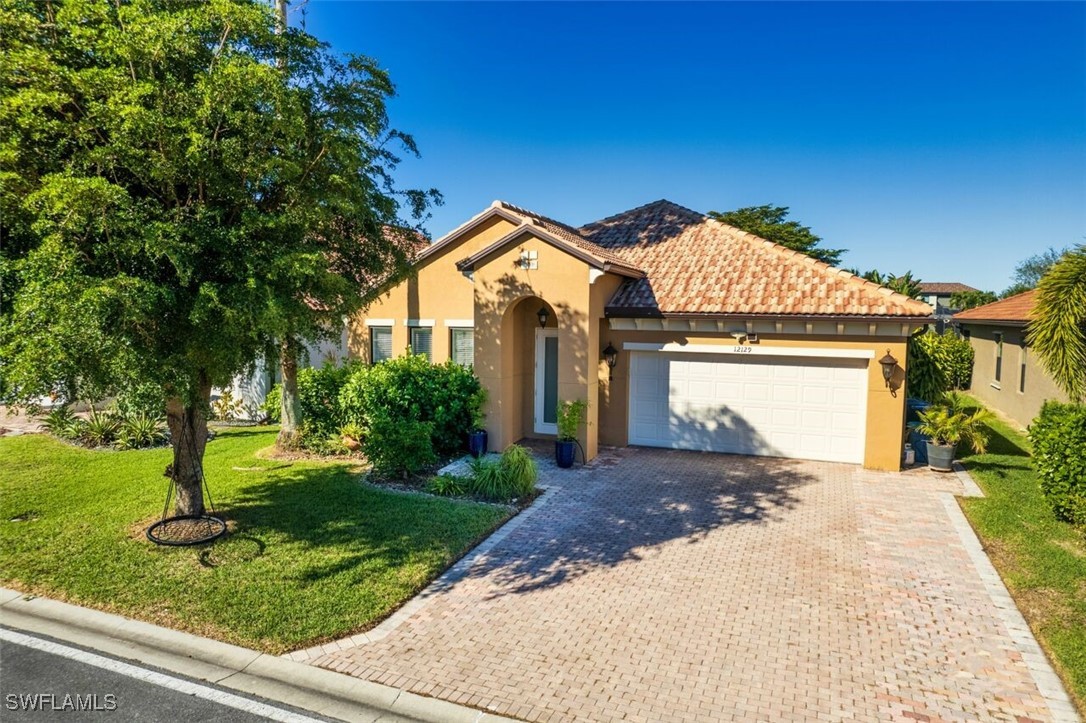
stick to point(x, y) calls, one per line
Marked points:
point(615, 312)
point(992, 322)
point(541, 233)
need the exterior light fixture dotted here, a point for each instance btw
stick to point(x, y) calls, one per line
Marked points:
point(610, 355)
point(888, 363)
point(542, 314)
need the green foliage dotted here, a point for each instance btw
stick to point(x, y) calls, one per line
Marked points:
point(1029, 272)
point(953, 420)
point(488, 479)
point(519, 470)
point(398, 447)
point(478, 404)
point(769, 222)
point(61, 422)
point(226, 408)
point(273, 403)
point(139, 430)
point(571, 418)
point(142, 398)
point(447, 396)
point(903, 284)
point(318, 394)
point(1059, 457)
point(181, 184)
point(448, 485)
point(963, 300)
point(938, 363)
point(1057, 328)
point(99, 429)
point(1014, 290)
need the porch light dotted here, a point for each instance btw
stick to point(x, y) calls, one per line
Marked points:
point(889, 363)
point(610, 355)
point(543, 315)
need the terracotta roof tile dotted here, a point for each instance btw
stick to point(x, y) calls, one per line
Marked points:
point(697, 265)
point(944, 287)
point(1013, 308)
point(568, 234)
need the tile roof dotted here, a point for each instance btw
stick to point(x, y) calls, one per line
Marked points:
point(1015, 308)
point(697, 265)
point(944, 287)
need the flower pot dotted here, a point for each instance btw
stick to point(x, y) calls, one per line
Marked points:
point(564, 452)
point(477, 443)
point(941, 456)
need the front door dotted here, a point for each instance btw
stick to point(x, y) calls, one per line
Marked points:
point(546, 381)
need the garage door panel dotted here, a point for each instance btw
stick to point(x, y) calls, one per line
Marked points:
point(791, 407)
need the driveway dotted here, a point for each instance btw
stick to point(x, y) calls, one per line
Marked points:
point(661, 585)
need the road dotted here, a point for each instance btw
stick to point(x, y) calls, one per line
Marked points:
point(44, 680)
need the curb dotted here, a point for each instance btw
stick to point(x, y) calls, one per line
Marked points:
point(230, 666)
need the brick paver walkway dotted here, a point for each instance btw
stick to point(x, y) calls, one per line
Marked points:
point(668, 586)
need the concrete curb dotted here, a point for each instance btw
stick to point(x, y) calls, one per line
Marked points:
point(249, 671)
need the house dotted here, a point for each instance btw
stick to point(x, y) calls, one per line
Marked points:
point(1006, 376)
point(937, 295)
point(723, 341)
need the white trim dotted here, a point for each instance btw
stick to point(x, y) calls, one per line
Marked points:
point(418, 322)
point(751, 350)
point(594, 274)
point(540, 426)
point(459, 323)
point(380, 322)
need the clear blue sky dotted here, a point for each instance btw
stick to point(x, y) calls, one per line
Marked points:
point(949, 139)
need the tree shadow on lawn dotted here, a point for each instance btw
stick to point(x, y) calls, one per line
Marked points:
point(607, 516)
point(346, 528)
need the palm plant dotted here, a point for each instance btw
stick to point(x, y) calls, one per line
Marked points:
point(1057, 329)
point(951, 421)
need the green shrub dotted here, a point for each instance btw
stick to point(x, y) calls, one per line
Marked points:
point(99, 429)
point(140, 430)
point(411, 388)
point(519, 469)
point(447, 485)
point(273, 404)
point(147, 399)
point(318, 397)
point(399, 447)
point(938, 363)
point(226, 408)
point(1059, 456)
point(488, 479)
point(61, 422)
point(570, 418)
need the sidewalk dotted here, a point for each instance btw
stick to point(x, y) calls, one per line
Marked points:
point(230, 666)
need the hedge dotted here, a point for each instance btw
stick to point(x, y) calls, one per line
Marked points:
point(1059, 456)
point(937, 364)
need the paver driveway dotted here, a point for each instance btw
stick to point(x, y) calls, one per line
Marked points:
point(660, 585)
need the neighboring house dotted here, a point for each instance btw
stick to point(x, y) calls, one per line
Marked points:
point(725, 342)
point(1006, 376)
point(937, 295)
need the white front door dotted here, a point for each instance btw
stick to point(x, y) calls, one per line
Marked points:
point(777, 406)
point(546, 381)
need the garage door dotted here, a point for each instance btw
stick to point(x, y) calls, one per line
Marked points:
point(807, 408)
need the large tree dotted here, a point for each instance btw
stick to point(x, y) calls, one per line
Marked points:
point(902, 284)
point(962, 300)
point(1057, 329)
point(1029, 272)
point(769, 222)
point(185, 183)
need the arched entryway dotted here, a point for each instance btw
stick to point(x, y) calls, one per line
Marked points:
point(529, 342)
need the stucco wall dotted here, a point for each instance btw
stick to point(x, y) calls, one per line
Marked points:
point(1006, 395)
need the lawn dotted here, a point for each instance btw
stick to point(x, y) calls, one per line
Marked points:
point(1042, 560)
point(313, 555)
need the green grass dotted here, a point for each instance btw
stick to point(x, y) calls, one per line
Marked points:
point(1042, 560)
point(313, 554)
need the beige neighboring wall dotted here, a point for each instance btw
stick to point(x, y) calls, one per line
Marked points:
point(437, 291)
point(885, 412)
point(1007, 395)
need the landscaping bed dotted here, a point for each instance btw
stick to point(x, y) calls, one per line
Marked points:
point(313, 554)
point(1041, 559)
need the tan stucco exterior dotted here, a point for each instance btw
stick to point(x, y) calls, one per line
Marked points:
point(502, 298)
point(1008, 395)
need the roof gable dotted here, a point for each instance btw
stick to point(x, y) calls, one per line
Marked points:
point(1014, 309)
point(697, 265)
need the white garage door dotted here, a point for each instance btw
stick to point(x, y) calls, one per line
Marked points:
point(807, 408)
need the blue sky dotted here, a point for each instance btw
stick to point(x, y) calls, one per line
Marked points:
point(946, 139)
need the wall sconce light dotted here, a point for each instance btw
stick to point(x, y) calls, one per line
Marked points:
point(889, 364)
point(610, 355)
point(543, 315)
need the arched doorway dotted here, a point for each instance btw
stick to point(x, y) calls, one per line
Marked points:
point(529, 370)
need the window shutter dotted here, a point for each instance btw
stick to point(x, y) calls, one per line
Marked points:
point(422, 341)
point(463, 346)
point(381, 347)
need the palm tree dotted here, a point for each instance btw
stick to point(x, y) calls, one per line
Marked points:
point(1057, 329)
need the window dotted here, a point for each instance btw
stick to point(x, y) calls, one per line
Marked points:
point(422, 338)
point(462, 344)
point(1022, 368)
point(999, 356)
point(380, 343)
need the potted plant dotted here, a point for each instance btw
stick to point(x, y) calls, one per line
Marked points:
point(477, 439)
point(570, 418)
point(948, 423)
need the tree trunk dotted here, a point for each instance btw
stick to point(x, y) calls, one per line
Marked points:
point(188, 432)
point(290, 407)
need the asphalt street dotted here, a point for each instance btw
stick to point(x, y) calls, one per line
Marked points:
point(45, 680)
